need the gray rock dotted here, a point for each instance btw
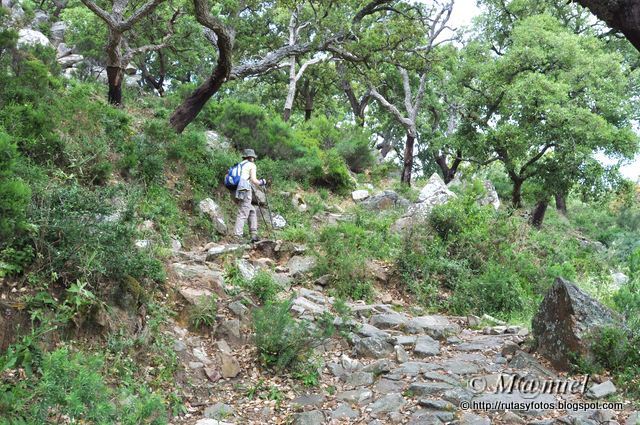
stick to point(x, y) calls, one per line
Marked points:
point(491, 197)
point(57, 32)
point(388, 386)
point(426, 346)
point(601, 390)
point(387, 403)
point(434, 193)
point(436, 404)
point(29, 37)
point(313, 417)
point(239, 309)
point(309, 400)
point(179, 346)
point(438, 327)
point(526, 362)
point(359, 379)
point(218, 411)
point(215, 141)
point(378, 367)
point(246, 269)
point(359, 195)
point(430, 417)
point(405, 340)
point(302, 306)
point(633, 419)
point(208, 421)
point(367, 330)
point(415, 368)
point(63, 50)
point(278, 221)
point(358, 396)
point(301, 264)
point(429, 388)
point(374, 347)
point(459, 367)
point(619, 279)
point(450, 379)
point(401, 354)
point(208, 207)
point(216, 250)
point(456, 395)
point(231, 329)
point(564, 319)
point(230, 366)
point(473, 419)
point(511, 418)
point(343, 411)
point(70, 60)
point(196, 365)
point(384, 200)
point(388, 321)
point(40, 17)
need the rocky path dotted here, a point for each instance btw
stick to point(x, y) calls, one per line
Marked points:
point(397, 365)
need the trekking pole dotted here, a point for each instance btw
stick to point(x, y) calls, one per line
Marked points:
point(266, 201)
point(265, 222)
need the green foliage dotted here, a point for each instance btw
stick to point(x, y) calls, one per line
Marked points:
point(71, 384)
point(203, 313)
point(618, 350)
point(282, 342)
point(263, 286)
point(345, 250)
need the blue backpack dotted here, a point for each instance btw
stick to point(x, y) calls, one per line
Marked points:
point(232, 179)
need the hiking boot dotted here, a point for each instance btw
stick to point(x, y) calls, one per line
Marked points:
point(254, 238)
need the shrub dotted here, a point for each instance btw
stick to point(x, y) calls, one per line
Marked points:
point(203, 313)
point(71, 385)
point(282, 342)
point(347, 247)
point(263, 286)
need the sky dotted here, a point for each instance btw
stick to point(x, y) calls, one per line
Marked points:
point(463, 13)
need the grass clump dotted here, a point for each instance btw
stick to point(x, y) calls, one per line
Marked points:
point(283, 342)
point(203, 313)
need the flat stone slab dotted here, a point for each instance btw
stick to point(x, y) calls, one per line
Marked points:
point(367, 330)
point(388, 386)
point(355, 396)
point(426, 346)
point(438, 327)
point(388, 320)
point(429, 388)
point(387, 403)
point(459, 367)
point(359, 379)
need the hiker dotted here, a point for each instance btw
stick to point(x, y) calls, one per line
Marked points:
point(243, 195)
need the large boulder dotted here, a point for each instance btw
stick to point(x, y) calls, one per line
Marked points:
point(384, 200)
point(565, 318)
point(209, 207)
point(70, 60)
point(29, 37)
point(434, 193)
point(491, 197)
point(215, 140)
point(57, 32)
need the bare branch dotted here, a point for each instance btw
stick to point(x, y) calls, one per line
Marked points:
point(406, 122)
point(101, 13)
point(143, 11)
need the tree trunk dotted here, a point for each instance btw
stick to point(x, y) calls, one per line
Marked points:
point(622, 15)
point(561, 203)
point(114, 77)
point(286, 114)
point(408, 160)
point(516, 194)
point(539, 211)
point(309, 94)
point(193, 104)
point(448, 173)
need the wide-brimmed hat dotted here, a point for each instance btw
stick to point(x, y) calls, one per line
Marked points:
point(248, 153)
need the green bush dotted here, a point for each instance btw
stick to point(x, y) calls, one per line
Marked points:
point(203, 313)
point(345, 249)
point(284, 343)
point(263, 286)
point(70, 385)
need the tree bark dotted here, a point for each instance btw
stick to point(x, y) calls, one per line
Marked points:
point(114, 77)
point(622, 15)
point(309, 95)
point(408, 160)
point(561, 203)
point(192, 105)
point(448, 172)
point(537, 217)
point(516, 194)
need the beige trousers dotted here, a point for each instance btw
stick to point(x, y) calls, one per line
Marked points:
point(246, 211)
